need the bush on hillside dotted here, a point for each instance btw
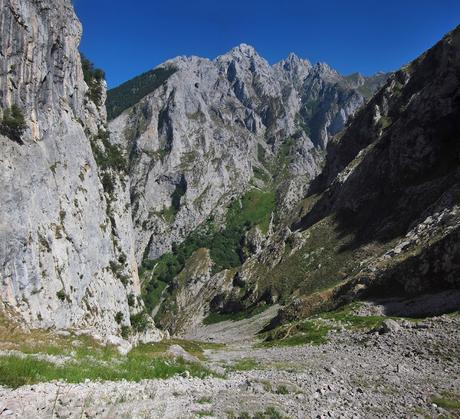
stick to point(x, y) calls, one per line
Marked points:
point(13, 123)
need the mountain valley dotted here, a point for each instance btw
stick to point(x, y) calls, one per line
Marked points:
point(225, 237)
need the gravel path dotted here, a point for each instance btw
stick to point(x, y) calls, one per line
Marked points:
point(355, 374)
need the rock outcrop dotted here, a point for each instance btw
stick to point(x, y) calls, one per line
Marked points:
point(67, 254)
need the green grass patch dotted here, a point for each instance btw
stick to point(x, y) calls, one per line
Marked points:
point(282, 390)
point(450, 402)
point(38, 341)
point(16, 371)
point(89, 359)
point(255, 208)
point(245, 364)
point(204, 400)
point(306, 332)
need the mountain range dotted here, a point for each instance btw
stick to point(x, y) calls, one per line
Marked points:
point(217, 187)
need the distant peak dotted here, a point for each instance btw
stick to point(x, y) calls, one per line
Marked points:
point(294, 63)
point(325, 69)
point(293, 57)
point(244, 49)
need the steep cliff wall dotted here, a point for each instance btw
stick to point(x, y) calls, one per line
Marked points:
point(66, 243)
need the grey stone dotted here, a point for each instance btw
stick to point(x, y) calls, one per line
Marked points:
point(390, 326)
point(177, 351)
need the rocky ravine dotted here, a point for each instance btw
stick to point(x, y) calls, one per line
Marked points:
point(403, 369)
point(67, 255)
point(208, 133)
point(382, 217)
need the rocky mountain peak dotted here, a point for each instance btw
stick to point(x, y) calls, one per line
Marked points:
point(325, 71)
point(244, 50)
point(293, 61)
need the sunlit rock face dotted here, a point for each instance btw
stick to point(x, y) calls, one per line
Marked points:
point(66, 245)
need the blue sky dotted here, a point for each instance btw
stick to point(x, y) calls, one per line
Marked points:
point(128, 38)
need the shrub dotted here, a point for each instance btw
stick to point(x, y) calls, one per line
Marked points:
point(125, 332)
point(119, 317)
point(131, 300)
point(13, 123)
point(111, 156)
point(62, 295)
point(108, 183)
point(139, 321)
point(93, 78)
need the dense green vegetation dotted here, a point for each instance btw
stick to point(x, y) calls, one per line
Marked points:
point(13, 123)
point(225, 245)
point(128, 94)
point(93, 78)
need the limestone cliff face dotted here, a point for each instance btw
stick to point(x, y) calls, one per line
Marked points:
point(66, 242)
point(213, 127)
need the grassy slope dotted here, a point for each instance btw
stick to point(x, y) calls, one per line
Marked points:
point(85, 358)
point(313, 330)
